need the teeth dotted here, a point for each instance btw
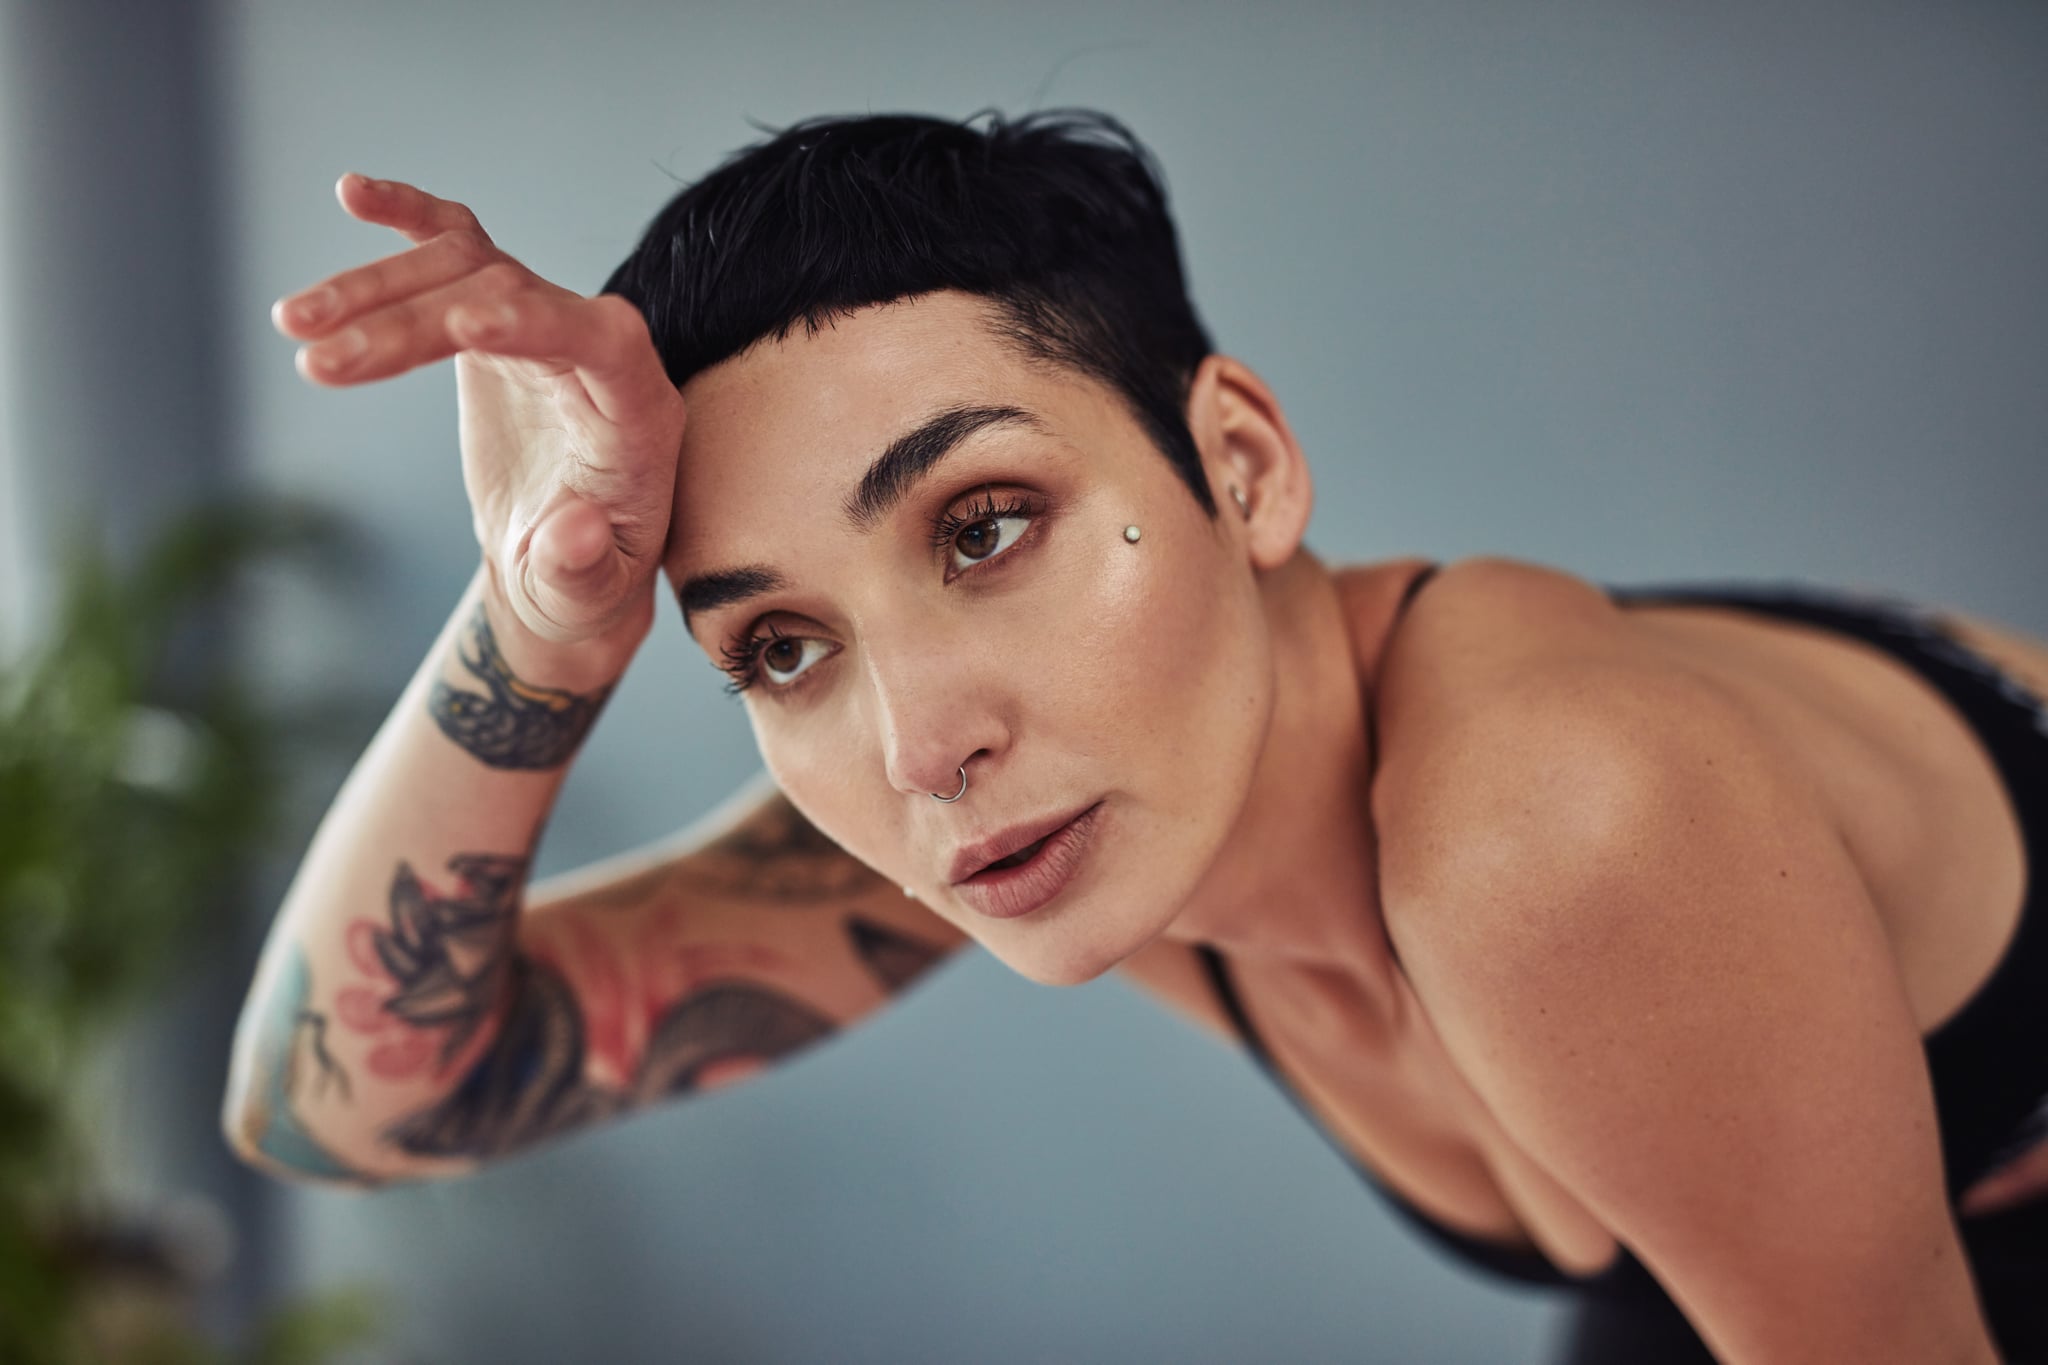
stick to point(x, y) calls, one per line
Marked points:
point(1022, 855)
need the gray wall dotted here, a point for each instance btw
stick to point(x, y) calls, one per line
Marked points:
point(1748, 290)
point(113, 415)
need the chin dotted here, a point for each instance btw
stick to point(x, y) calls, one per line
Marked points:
point(1079, 947)
point(1062, 970)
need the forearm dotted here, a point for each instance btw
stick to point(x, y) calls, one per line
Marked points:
point(390, 964)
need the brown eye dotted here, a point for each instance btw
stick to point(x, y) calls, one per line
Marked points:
point(987, 538)
point(979, 540)
point(786, 656)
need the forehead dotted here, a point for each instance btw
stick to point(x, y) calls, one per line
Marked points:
point(794, 423)
point(844, 390)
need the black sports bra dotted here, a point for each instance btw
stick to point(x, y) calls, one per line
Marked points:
point(1989, 1068)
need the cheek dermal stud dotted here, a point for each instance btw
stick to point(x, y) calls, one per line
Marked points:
point(1131, 534)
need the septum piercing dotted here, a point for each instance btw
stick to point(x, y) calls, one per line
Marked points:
point(949, 800)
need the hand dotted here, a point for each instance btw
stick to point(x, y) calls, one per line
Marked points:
point(569, 426)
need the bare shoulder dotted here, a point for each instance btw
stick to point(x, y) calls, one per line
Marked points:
point(1496, 611)
point(1645, 946)
point(1482, 622)
point(1484, 630)
point(1517, 706)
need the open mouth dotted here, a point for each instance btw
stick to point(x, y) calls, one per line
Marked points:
point(1020, 857)
point(1020, 882)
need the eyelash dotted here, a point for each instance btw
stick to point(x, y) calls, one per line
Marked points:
point(741, 659)
point(950, 524)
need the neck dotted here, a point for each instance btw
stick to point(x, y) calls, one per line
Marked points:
point(1297, 880)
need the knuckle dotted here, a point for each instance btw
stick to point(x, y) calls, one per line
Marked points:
point(625, 330)
point(406, 334)
point(386, 336)
point(338, 297)
point(624, 316)
point(350, 291)
point(467, 244)
point(500, 280)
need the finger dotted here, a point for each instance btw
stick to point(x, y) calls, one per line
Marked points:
point(405, 209)
point(334, 302)
point(410, 332)
point(604, 339)
point(571, 542)
point(503, 309)
point(573, 572)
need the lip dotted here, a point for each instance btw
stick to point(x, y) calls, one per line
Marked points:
point(970, 859)
point(1008, 892)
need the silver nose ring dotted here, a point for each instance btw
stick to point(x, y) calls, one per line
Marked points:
point(949, 800)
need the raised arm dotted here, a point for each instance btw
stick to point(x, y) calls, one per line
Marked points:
point(390, 966)
point(411, 1020)
point(406, 1019)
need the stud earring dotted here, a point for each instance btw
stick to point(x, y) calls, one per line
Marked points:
point(1131, 534)
point(1244, 508)
point(908, 892)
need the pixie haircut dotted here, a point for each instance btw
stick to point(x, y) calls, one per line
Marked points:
point(1057, 218)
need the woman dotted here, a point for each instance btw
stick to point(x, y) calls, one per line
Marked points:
point(1669, 946)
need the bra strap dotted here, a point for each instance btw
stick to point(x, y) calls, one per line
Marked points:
point(1372, 699)
point(1219, 978)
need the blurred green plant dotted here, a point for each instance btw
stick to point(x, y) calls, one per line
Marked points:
point(130, 800)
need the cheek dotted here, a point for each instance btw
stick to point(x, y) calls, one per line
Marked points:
point(834, 788)
point(828, 762)
point(1161, 648)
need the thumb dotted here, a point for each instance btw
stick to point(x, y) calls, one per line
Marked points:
point(576, 569)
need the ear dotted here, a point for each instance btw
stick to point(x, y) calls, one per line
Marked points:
point(1245, 442)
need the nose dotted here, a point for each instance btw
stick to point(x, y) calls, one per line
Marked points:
point(934, 717)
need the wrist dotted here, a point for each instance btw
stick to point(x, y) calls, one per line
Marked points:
point(584, 666)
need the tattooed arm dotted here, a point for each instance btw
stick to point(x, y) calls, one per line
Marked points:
point(510, 723)
point(678, 970)
point(409, 1021)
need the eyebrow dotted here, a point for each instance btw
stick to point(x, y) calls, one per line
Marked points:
point(710, 591)
point(913, 455)
point(895, 472)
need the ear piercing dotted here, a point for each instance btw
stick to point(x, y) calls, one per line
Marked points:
point(1131, 534)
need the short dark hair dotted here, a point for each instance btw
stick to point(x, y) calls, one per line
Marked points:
point(1058, 218)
